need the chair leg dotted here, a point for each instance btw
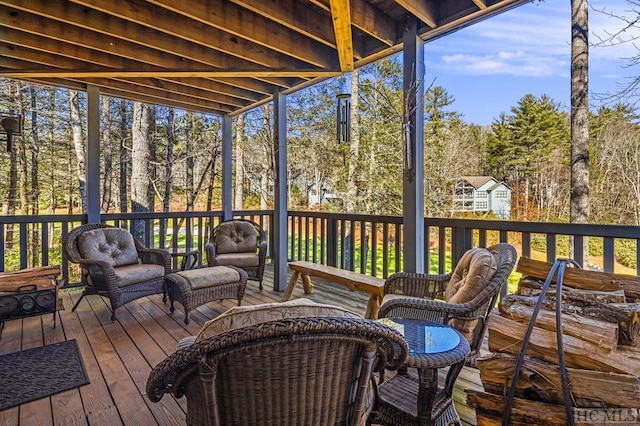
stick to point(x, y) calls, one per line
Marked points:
point(113, 315)
point(260, 285)
point(78, 302)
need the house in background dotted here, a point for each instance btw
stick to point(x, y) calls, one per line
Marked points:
point(482, 194)
point(316, 197)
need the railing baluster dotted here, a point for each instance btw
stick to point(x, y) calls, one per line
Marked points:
point(608, 254)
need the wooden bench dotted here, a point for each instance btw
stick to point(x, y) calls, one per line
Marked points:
point(352, 280)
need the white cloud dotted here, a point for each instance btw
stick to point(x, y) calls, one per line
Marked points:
point(531, 40)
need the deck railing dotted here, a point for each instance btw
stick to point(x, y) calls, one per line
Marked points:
point(363, 243)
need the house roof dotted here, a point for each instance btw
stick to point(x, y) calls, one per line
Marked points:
point(214, 56)
point(477, 181)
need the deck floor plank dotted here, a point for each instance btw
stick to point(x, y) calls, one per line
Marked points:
point(119, 355)
point(37, 413)
point(138, 352)
point(66, 407)
point(131, 406)
point(11, 341)
point(98, 405)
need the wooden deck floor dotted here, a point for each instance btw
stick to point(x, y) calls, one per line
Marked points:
point(119, 355)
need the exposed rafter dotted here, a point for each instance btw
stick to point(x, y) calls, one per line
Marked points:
point(341, 14)
point(423, 10)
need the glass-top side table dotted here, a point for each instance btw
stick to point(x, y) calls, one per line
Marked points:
point(405, 400)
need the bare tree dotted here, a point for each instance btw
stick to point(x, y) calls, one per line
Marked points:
point(143, 118)
point(354, 149)
point(107, 158)
point(580, 205)
point(240, 136)
point(78, 143)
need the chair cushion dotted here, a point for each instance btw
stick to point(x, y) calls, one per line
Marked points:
point(112, 245)
point(241, 260)
point(208, 277)
point(236, 236)
point(474, 270)
point(133, 274)
point(244, 316)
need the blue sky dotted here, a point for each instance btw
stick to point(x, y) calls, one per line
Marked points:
point(490, 65)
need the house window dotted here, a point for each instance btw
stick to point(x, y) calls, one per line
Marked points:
point(501, 194)
point(482, 205)
point(481, 194)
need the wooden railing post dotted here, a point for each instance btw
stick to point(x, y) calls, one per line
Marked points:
point(332, 241)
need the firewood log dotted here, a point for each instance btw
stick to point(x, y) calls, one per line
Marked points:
point(601, 333)
point(541, 381)
point(625, 315)
point(582, 278)
point(506, 335)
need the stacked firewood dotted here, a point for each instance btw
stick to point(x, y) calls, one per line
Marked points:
point(42, 278)
point(600, 329)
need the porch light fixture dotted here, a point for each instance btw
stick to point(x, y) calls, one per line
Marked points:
point(343, 118)
point(10, 125)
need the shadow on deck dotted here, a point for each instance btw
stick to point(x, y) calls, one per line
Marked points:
point(119, 355)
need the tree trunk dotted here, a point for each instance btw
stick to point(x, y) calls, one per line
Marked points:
point(140, 156)
point(78, 143)
point(107, 158)
point(580, 204)
point(124, 159)
point(189, 184)
point(264, 189)
point(238, 200)
point(14, 89)
point(168, 166)
point(354, 147)
point(35, 185)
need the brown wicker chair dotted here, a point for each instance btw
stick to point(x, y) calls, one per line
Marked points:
point(292, 371)
point(412, 296)
point(241, 243)
point(115, 265)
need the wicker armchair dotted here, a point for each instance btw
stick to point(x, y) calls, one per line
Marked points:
point(292, 371)
point(466, 295)
point(240, 243)
point(115, 265)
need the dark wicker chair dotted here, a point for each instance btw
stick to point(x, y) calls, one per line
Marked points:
point(293, 371)
point(240, 243)
point(115, 265)
point(412, 296)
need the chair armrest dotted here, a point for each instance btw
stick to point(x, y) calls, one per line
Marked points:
point(417, 285)
point(431, 310)
point(103, 275)
point(210, 252)
point(156, 256)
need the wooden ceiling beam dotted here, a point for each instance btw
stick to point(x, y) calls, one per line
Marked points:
point(369, 20)
point(146, 87)
point(113, 35)
point(293, 15)
point(240, 24)
point(341, 15)
point(424, 10)
point(109, 73)
point(32, 47)
point(482, 4)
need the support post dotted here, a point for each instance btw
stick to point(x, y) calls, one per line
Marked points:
point(413, 148)
point(280, 192)
point(227, 213)
point(93, 154)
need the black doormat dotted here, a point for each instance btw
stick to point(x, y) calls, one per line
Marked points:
point(36, 373)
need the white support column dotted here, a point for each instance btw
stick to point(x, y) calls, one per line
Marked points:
point(279, 251)
point(93, 154)
point(413, 147)
point(227, 164)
